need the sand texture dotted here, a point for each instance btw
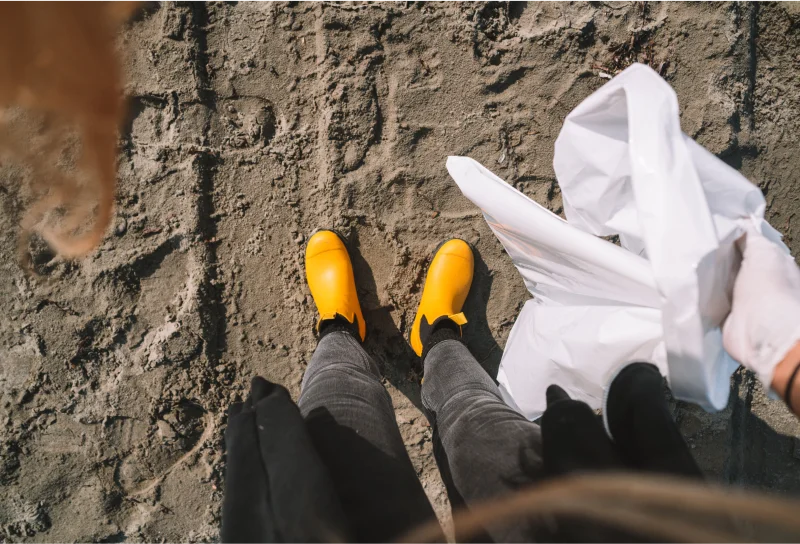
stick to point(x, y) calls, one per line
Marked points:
point(253, 125)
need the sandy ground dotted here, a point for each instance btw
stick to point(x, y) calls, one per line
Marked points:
point(251, 126)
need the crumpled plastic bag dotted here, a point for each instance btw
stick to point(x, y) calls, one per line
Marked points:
point(624, 168)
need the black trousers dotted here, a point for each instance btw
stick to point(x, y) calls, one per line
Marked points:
point(336, 468)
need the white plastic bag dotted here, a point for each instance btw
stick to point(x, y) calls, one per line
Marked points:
point(624, 167)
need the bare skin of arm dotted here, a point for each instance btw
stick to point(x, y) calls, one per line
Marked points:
point(780, 379)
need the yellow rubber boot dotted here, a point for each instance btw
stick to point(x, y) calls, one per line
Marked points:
point(446, 287)
point(329, 273)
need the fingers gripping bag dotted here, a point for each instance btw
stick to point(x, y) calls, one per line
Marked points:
point(624, 168)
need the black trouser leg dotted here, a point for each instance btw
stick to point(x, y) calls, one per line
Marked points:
point(351, 420)
point(484, 448)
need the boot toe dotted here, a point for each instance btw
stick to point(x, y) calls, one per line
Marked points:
point(323, 241)
point(457, 248)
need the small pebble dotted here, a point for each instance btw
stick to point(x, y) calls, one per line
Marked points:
point(122, 226)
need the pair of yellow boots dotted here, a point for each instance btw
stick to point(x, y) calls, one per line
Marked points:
point(330, 277)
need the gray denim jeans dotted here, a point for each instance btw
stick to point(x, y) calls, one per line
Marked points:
point(484, 449)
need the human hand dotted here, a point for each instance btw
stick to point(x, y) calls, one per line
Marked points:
point(764, 323)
